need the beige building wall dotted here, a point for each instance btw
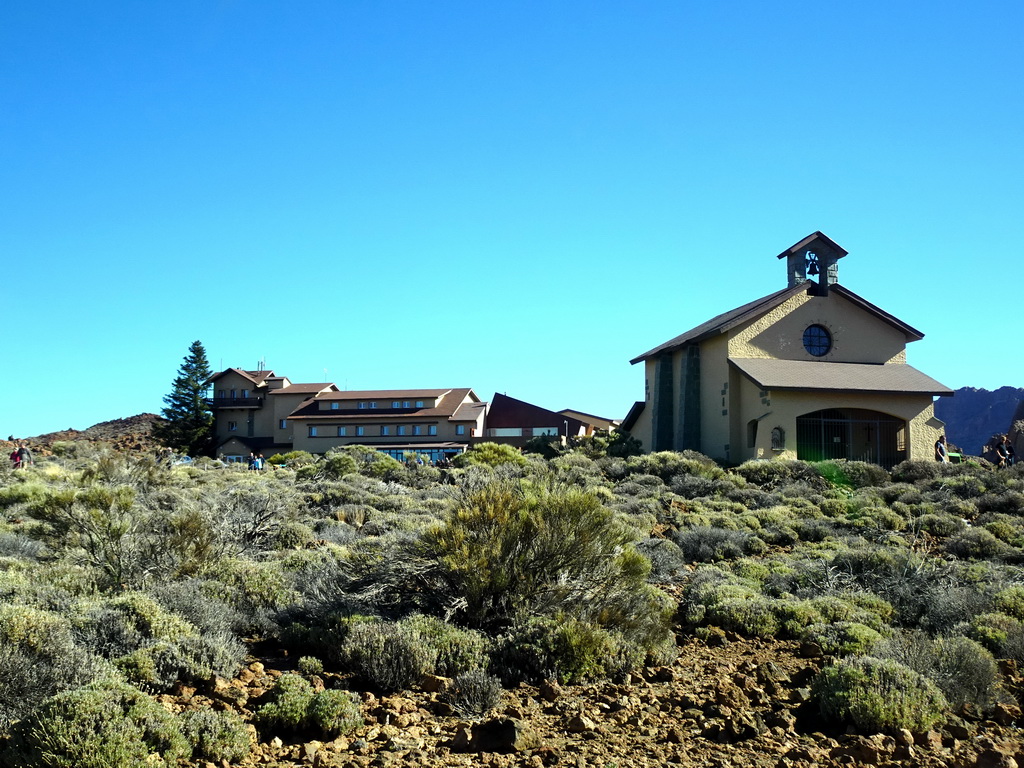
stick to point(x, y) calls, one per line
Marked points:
point(857, 337)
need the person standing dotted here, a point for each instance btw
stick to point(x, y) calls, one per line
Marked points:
point(941, 451)
point(24, 456)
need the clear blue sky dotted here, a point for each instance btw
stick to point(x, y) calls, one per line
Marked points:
point(517, 197)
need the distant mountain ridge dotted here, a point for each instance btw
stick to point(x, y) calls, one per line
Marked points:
point(973, 415)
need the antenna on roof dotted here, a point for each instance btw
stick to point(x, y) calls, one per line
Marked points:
point(325, 375)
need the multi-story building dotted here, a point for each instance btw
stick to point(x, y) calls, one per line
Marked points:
point(257, 412)
point(251, 410)
point(431, 422)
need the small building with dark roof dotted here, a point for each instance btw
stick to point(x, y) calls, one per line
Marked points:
point(812, 371)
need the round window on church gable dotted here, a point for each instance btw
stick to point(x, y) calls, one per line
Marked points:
point(817, 340)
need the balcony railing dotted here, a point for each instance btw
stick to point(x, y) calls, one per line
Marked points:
point(235, 402)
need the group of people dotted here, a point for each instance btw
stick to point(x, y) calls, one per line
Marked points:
point(257, 462)
point(1005, 455)
point(21, 456)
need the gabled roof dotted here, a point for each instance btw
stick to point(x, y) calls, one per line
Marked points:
point(805, 375)
point(303, 389)
point(797, 247)
point(633, 416)
point(507, 411)
point(736, 317)
point(451, 402)
point(386, 394)
point(256, 377)
point(724, 321)
point(469, 411)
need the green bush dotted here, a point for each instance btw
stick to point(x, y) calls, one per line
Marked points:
point(978, 544)
point(473, 693)
point(490, 455)
point(334, 713)
point(565, 649)
point(310, 665)
point(878, 695)
point(294, 707)
point(102, 725)
point(287, 705)
point(216, 736)
point(843, 638)
point(963, 670)
point(457, 649)
point(508, 552)
point(387, 656)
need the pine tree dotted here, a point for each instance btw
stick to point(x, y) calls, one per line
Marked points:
point(188, 424)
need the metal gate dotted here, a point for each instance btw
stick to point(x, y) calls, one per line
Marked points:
point(853, 433)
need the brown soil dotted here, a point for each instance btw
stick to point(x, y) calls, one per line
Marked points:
point(734, 702)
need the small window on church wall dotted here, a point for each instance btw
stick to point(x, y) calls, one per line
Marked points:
point(817, 340)
point(778, 439)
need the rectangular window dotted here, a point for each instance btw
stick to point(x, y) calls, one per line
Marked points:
point(419, 403)
point(460, 429)
point(362, 406)
point(385, 430)
point(506, 432)
point(545, 431)
point(232, 426)
point(282, 424)
point(360, 431)
point(342, 431)
point(245, 393)
point(417, 429)
point(373, 403)
point(312, 431)
point(220, 393)
point(432, 429)
point(405, 404)
point(335, 406)
point(401, 430)
point(394, 404)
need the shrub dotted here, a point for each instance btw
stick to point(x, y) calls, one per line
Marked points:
point(978, 544)
point(293, 706)
point(963, 670)
point(565, 649)
point(99, 726)
point(490, 455)
point(707, 544)
point(473, 693)
point(334, 713)
point(852, 474)
point(457, 649)
point(843, 638)
point(389, 657)
point(216, 736)
point(287, 704)
point(310, 665)
point(878, 695)
point(506, 554)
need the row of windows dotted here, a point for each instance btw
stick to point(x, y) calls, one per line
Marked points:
point(371, 404)
point(234, 394)
point(384, 431)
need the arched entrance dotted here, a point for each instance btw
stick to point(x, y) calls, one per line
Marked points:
point(856, 434)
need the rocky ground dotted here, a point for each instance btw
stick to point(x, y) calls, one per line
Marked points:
point(733, 702)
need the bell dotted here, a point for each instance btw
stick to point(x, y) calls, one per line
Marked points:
point(812, 268)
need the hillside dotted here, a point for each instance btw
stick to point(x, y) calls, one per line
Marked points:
point(587, 610)
point(973, 415)
point(134, 433)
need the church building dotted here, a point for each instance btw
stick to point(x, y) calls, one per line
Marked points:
point(810, 372)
